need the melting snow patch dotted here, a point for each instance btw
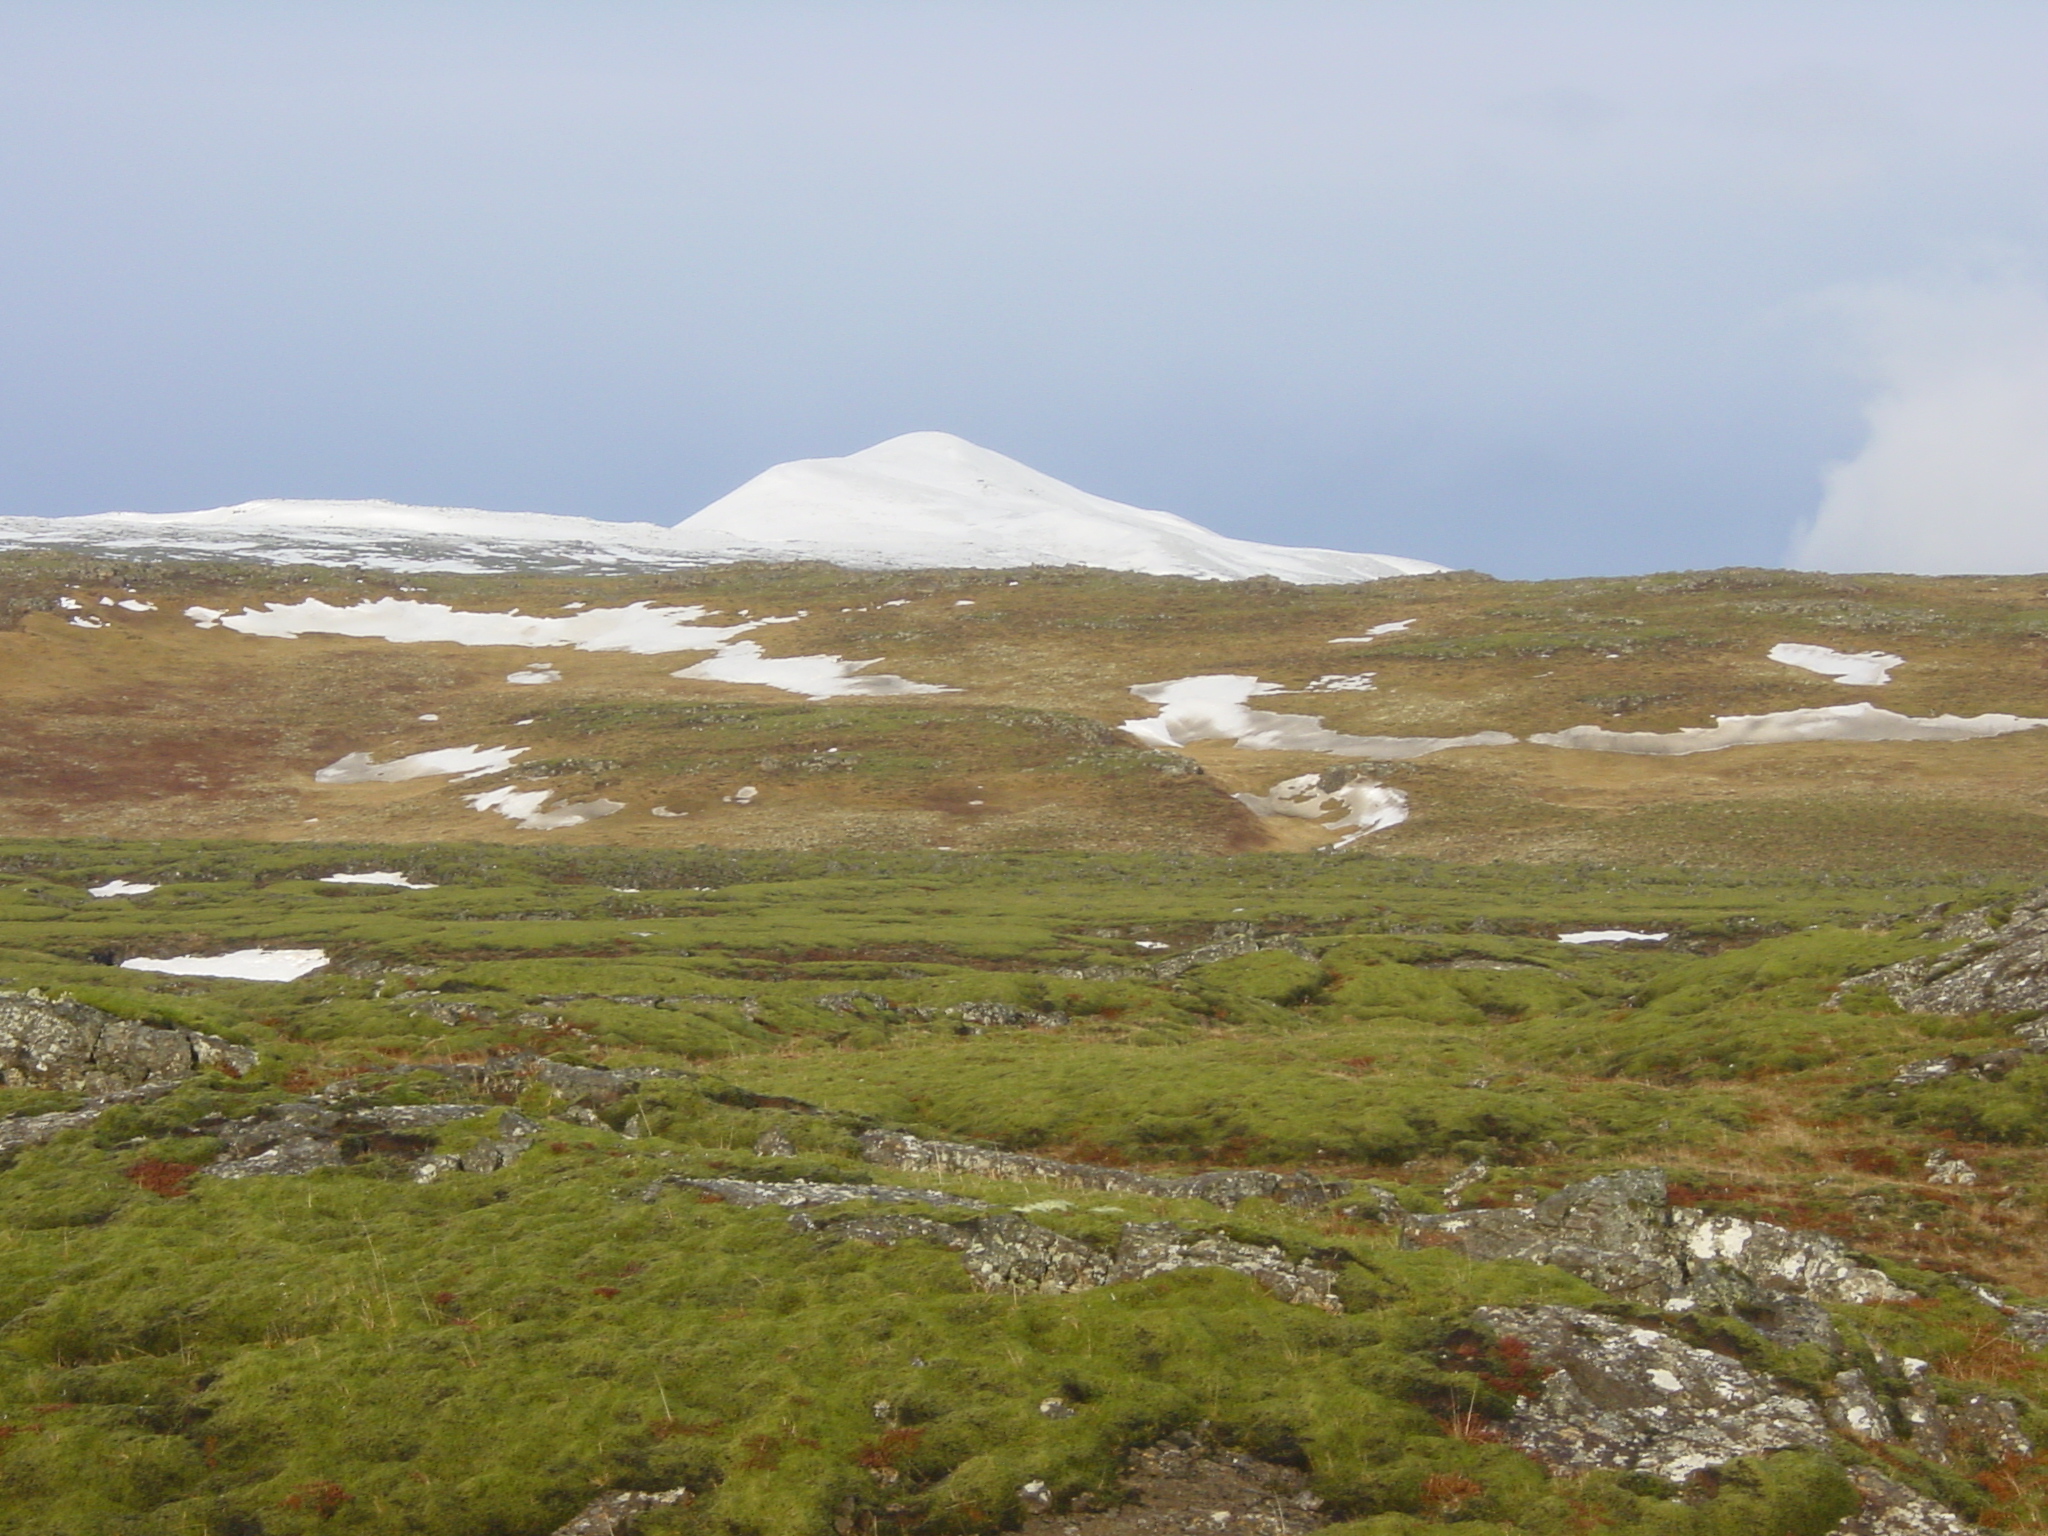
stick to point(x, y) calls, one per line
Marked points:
point(1337, 682)
point(1213, 708)
point(88, 622)
point(1858, 669)
point(1374, 633)
point(1366, 807)
point(239, 964)
point(638, 628)
point(133, 606)
point(379, 877)
point(524, 807)
point(746, 794)
point(816, 677)
point(534, 675)
point(1835, 722)
point(71, 604)
point(665, 813)
point(120, 888)
point(463, 762)
point(1611, 936)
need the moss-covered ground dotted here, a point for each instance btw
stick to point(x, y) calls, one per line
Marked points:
point(350, 1351)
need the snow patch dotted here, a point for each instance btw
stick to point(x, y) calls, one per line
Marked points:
point(1214, 708)
point(524, 806)
point(1366, 807)
point(463, 762)
point(1834, 722)
point(534, 675)
point(639, 629)
point(1611, 936)
point(1338, 682)
point(239, 964)
point(1374, 633)
point(119, 888)
point(1856, 669)
point(379, 877)
point(815, 677)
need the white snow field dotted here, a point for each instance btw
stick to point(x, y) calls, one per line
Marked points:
point(640, 629)
point(1214, 708)
point(1834, 722)
point(1366, 807)
point(462, 762)
point(1611, 936)
point(1856, 669)
point(119, 888)
point(239, 964)
point(924, 501)
point(929, 499)
point(380, 877)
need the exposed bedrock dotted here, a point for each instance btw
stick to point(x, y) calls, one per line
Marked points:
point(57, 1043)
point(1225, 1187)
point(1621, 1233)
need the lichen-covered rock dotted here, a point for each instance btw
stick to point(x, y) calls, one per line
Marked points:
point(1632, 1399)
point(1892, 1509)
point(1224, 1187)
point(795, 1194)
point(1004, 1251)
point(1619, 1232)
point(34, 1130)
point(297, 1138)
point(618, 1514)
point(1998, 966)
point(57, 1043)
point(1857, 1410)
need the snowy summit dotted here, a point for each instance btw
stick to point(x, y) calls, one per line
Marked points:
point(924, 501)
point(929, 499)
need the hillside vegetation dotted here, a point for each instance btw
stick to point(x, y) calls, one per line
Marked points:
point(346, 1346)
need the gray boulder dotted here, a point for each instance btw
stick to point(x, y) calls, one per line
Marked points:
point(618, 1514)
point(57, 1043)
point(2001, 966)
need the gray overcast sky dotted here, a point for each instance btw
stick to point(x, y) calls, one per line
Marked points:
point(1543, 288)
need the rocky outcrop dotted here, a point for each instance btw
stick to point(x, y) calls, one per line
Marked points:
point(1005, 1252)
point(297, 1138)
point(797, 1194)
point(1619, 1232)
point(618, 1514)
point(1998, 966)
point(48, 1042)
point(1632, 1399)
point(1892, 1509)
point(1224, 1187)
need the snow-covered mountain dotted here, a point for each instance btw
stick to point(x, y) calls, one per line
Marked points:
point(927, 500)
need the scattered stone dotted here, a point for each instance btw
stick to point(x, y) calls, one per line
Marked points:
point(1224, 1187)
point(1620, 1233)
point(1634, 1400)
point(1944, 1167)
point(774, 1142)
point(57, 1043)
point(1055, 1408)
point(1035, 1495)
point(1179, 1487)
point(995, 1015)
point(618, 1514)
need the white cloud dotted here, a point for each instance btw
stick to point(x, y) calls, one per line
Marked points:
point(1954, 475)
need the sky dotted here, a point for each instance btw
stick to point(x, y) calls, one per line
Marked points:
point(1544, 288)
